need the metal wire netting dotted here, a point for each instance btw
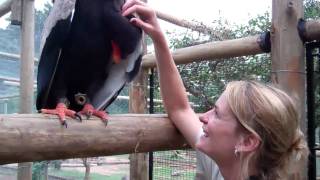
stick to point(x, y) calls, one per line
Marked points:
point(178, 164)
point(204, 82)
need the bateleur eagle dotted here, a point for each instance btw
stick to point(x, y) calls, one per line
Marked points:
point(89, 52)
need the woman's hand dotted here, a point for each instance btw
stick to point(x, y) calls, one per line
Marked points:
point(148, 19)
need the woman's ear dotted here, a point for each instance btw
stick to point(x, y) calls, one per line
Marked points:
point(249, 143)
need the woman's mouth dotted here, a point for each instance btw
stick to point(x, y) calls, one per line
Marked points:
point(205, 134)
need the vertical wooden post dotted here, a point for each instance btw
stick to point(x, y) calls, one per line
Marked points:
point(26, 73)
point(287, 54)
point(138, 104)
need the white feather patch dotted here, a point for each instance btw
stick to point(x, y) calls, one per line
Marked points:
point(118, 76)
point(61, 10)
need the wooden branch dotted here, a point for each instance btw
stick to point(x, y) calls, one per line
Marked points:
point(5, 7)
point(37, 137)
point(213, 50)
point(312, 30)
point(200, 27)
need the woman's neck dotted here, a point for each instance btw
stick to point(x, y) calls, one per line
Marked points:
point(230, 170)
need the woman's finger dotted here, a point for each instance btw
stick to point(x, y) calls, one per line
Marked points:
point(138, 22)
point(143, 11)
point(130, 3)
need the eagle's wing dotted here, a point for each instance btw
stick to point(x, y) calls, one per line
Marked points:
point(118, 76)
point(54, 34)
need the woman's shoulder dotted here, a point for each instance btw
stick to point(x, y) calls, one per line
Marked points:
point(207, 168)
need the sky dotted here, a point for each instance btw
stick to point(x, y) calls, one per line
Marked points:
point(235, 11)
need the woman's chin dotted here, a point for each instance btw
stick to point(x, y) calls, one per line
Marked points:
point(199, 144)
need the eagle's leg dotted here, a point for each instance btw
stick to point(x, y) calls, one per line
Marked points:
point(89, 111)
point(62, 111)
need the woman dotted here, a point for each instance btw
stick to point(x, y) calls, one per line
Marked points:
point(252, 132)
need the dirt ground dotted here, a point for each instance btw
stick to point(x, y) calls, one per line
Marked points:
point(104, 169)
point(8, 177)
point(103, 165)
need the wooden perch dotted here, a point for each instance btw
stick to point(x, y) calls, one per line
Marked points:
point(211, 51)
point(5, 7)
point(199, 27)
point(37, 137)
point(311, 30)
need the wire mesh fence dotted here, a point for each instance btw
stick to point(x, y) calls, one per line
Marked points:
point(178, 164)
point(204, 82)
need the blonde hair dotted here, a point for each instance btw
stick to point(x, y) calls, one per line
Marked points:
point(271, 115)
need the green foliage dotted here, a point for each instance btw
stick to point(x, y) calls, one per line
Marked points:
point(312, 9)
point(261, 23)
point(56, 164)
point(206, 80)
point(38, 170)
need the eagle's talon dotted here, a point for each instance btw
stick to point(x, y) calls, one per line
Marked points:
point(89, 114)
point(64, 123)
point(78, 117)
point(105, 121)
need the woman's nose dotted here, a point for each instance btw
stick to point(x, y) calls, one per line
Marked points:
point(204, 118)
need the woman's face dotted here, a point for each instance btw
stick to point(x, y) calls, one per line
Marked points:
point(220, 131)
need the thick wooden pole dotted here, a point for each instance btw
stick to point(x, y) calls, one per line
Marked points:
point(213, 50)
point(36, 137)
point(287, 53)
point(200, 27)
point(138, 104)
point(311, 30)
point(26, 73)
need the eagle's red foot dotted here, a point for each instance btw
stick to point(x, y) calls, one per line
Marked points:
point(62, 111)
point(89, 111)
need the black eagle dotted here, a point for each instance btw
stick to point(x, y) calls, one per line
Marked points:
point(90, 52)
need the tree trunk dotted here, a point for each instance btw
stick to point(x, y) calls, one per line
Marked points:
point(87, 166)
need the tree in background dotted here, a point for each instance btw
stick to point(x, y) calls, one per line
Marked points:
point(206, 80)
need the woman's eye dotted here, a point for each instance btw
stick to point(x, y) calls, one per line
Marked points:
point(215, 111)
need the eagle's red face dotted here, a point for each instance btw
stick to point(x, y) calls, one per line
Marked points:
point(116, 53)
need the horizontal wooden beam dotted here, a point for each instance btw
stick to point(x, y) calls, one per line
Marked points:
point(5, 7)
point(14, 57)
point(195, 26)
point(36, 137)
point(212, 51)
point(309, 30)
